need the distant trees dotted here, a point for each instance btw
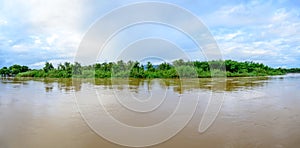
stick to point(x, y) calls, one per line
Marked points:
point(77, 69)
point(48, 66)
point(291, 70)
point(235, 68)
point(13, 70)
point(164, 66)
point(4, 72)
point(134, 69)
point(150, 67)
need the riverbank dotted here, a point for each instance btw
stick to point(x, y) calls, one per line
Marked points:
point(134, 69)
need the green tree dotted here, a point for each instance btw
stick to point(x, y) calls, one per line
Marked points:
point(77, 69)
point(164, 66)
point(48, 66)
point(24, 68)
point(204, 66)
point(4, 71)
point(136, 71)
point(61, 67)
point(15, 69)
point(179, 62)
point(150, 67)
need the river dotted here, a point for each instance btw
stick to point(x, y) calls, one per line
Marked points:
point(255, 112)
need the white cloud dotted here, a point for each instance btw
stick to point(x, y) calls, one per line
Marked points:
point(240, 14)
point(54, 26)
point(258, 30)
point(280, 15)
point(20, 48)
point(3, 22)
point(36, 40)
point(51, 39)
point(55, 63)
point(264, 34)
point(229, 36)
point(54, 15)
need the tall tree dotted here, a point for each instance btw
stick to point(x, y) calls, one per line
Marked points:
point(77, 69)
point(150, 67)
point(48, 66)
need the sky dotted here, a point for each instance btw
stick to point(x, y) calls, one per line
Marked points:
point(35, 31)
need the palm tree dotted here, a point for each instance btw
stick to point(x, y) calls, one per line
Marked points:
point(48, 67)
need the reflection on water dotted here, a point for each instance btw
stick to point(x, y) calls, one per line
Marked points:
point(257, 111)
point(177, 85)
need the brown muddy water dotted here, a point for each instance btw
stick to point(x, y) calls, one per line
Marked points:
point(256, 111)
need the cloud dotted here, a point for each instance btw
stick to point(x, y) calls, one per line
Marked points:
point(41, 27)
point(267, 33)
point(38, 31)
point(3, 22)
point(55, 63)
point(139, 32)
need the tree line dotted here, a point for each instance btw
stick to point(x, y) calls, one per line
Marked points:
point(134, 69)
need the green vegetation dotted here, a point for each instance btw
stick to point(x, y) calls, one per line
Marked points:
point(13, 70)
point(176, 69)
point(293, 70)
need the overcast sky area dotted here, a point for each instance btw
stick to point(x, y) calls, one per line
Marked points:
point(35, 31)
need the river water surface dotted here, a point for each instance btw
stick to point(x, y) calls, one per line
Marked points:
point(256, 112)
